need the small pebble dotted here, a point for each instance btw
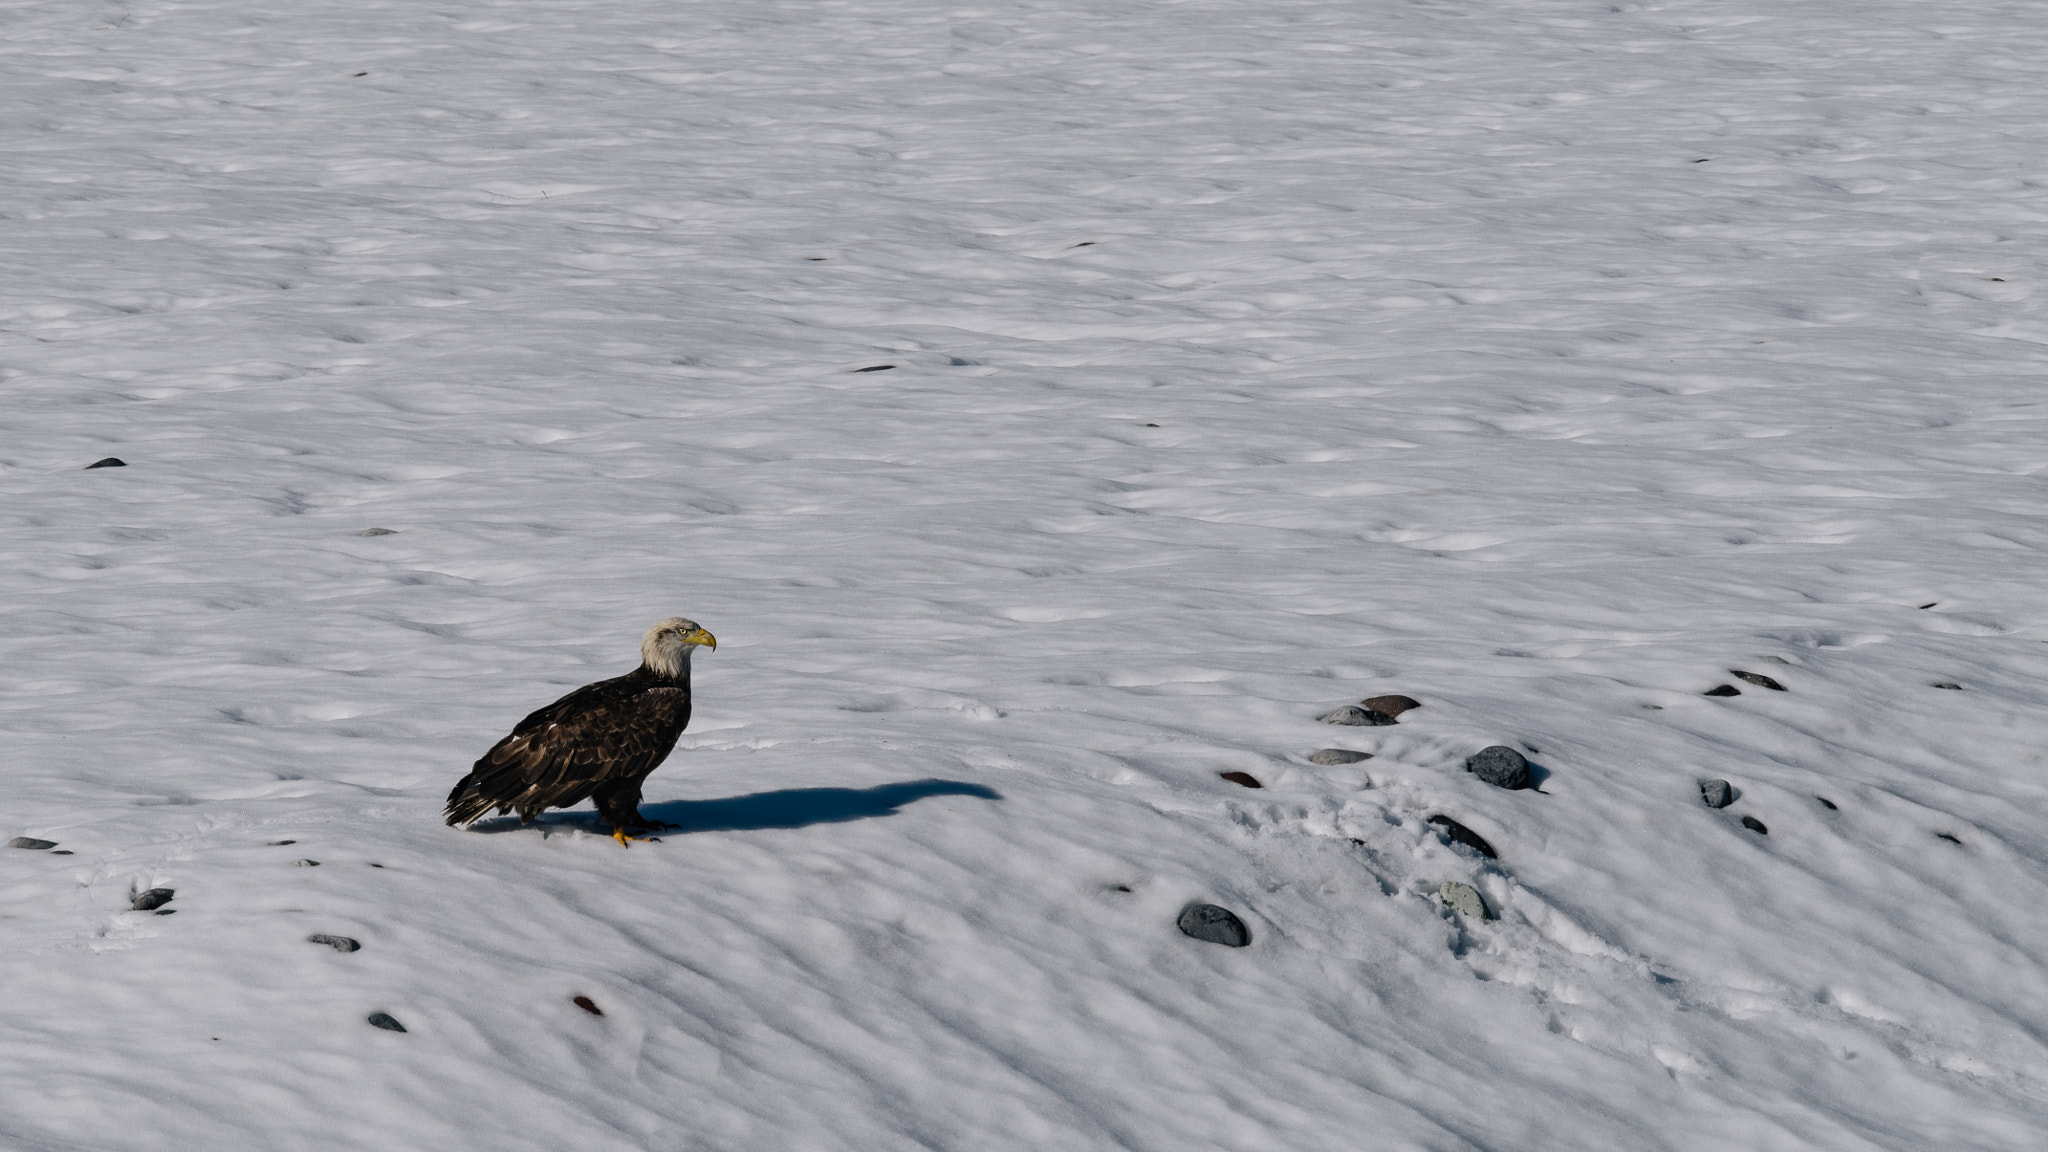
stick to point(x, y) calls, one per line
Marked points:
point(1826, 803)
point(1215, 925)
point(1500, 766)
point(153, 899)
point(305, 863)
point(31, 843)
point(378, 532)
point(1337, 756)
point(1777, 660)
point(1949, 838)
point(281, 843)
point(385, 1021)
point(1723, 690)
point(875, 368)
point(1465, 898)
point(1651, 707)
point(1391, 705)
point(1951, 686)
point(109, 462)
point(1244, 778)
point(61, 852)
point(1755, 825)
point(588, 1005)
point(1717, 793)
point(1459, 834)
point(1757, 678)
point(1358, 717)
point(338, 943)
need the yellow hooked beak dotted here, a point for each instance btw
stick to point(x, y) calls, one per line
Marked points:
point(700, 636)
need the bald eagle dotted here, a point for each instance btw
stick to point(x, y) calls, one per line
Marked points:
point(599, 741)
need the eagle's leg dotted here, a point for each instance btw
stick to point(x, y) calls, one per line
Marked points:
point(619, 805)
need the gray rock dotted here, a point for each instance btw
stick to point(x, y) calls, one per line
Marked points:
point(1755, 825)
point(1215, 925)
point(1357, 717)
point(153, 899)
point(1717, 793)
point(1723, 690)
point(1500, 766)
point(1337, 756)
point(107, 462)
point(1459, 834)
point(281, 843)
point(31, 842)
point(385, 1021)
point(378, 532)
point(1948, 684)
point(305, 863)
point(338, 943)
point(1757, 678)
point(1465, 899)
point(1777, 660)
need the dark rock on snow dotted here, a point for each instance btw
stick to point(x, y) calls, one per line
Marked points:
point(1459, 834)
point(153, 899)
point(1948, 837)
point(1391, 705)
point(1717, 793)
point(1948, 684)
point(338, 943)
point(876, 368)
point(1337, 756)
point(385, 1021)
point(1723, 690)
point(281, 843)
point(305, 863)
point(1755, 825)
point(1500, 766)
point(1357, 717)
point(62, 852)
point(378, 532)
point(1826, 803)
point(1244, 778)
point(109, 462)
point(31, 842)
point(1215, 925)
point(587, 1004)
point(1757, 678)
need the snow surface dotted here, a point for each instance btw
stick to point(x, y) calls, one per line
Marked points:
point(1541, 359)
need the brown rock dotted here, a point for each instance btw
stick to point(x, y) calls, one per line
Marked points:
point(1390, 705)
point(1244, 778)
point(588, 1005)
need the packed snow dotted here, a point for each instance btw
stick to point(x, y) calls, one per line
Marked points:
point(1050, 407)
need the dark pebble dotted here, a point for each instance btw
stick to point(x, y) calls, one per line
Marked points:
point(1391, 705)
point(1500, 766)
point(588, 1005)
point(385, 1021)
point(1953, 687)
point(1459, 834)
point(1757, 678)
point(153, 899)
point(1755, 825)
point(338, 943)
point(1826, 803)
point(281, 843)
point(1358, 717)
point(1215, 925)
point(1949, 838)
point(31, 842)
point(1717, 793)
point(61, 852)
point(1244, 778)
point(876, 368)
point(378, 532)
point(109, 462)
point(305, 863)
point(1723, 690)
point(1337, 756)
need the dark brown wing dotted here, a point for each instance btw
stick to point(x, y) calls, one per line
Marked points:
point(612, 730)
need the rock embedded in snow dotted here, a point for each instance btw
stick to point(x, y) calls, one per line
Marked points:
point(386, 1021)
point(587, 1004)
point(1465, 899)
point(1826, 803)
point(1948, 684)
point(1215, 925)
point(31, 843)
point(1757, 678)
point(305, 863)
point(1755, 825)
point(378, 532)
point(281, 843)
point(1390, 705)
point(1244, 778)
point(1723, 690)
point(338, 943)
point(107, 462)
point(1357, 717)
point(1330, 756)
point(153, 899)
point(1717, 793)
point(1500, 766)
point(1459, 834)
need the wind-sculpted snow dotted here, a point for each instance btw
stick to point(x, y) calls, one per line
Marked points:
point(1543, 361)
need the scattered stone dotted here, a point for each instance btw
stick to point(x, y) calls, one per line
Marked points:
point(1500, 766)
point(1465, 898)
point(31, 843)
point(109, 462)
point(153, 899)
point(1391, 705)
point(1929, 604)
point(385, 1021)
point(1459, 834)
point(1755, 825)
point(378, 532)
point(1651, 707)
point(1358, 717)
point(1717, 793)
point(1947, 837)
point(1757, 678)
point(1337, 756)
point(1119, 887)
point(1244, 778)
point(338, 943)
point(1948, 684)
point(1777, 660)
point(61, 852)
point(588, 1005)
point(281, 843)
point(1215, 925)
point(1723, 690)
point(1826, 803)
point(305, 863)
point(876, 368)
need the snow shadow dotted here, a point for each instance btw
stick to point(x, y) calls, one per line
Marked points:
point(801, 807)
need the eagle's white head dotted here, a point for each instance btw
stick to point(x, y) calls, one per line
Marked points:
point(666, 647)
